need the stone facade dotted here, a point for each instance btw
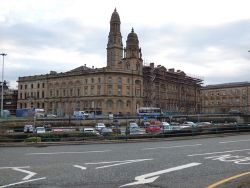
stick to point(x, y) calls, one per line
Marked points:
point(226, 98)
point(119, 88)
point(173, 91)
point(115, 89)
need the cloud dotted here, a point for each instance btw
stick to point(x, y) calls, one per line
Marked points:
point(62, 35)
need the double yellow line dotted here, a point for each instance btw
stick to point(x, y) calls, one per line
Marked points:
point(227, 179)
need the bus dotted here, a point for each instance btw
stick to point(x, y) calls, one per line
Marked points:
point(149, 111)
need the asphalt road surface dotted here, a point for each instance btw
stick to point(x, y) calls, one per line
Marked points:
point(185, 163)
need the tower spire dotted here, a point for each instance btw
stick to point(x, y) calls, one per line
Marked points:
point(114, 46)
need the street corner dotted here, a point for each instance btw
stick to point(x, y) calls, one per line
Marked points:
point(241, 180)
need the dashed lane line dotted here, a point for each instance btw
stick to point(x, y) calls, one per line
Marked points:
point(169, 147)
point(77, 152)
point(232, 141)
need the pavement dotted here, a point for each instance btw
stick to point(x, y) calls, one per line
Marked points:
point(108, 141)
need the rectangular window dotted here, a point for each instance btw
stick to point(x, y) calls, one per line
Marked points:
point(109, 90)
point(86, 90)
point(119, 90)
point(92, 90)
point(99, 90)
point(127, 90)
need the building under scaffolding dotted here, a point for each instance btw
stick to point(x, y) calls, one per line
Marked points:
point(173, 91)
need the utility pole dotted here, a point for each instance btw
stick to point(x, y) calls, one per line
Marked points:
point(2, 54)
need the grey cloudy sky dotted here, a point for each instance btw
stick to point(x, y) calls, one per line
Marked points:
point(205, 38)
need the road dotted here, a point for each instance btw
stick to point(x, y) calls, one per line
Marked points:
point(185, 163)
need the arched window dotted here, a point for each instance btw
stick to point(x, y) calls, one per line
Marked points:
point(109, 80)
point(128, 104)
point(119, 81)
point(109, 104)
point(128, 66)
point(137, 66)
point(119, 104)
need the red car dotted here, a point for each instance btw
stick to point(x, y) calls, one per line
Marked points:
point(153, 129)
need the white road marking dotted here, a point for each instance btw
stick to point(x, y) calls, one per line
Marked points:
point(180, 146)
point(117, 163)
point(19, 169)
point(124, 162)
point(81, 167)
point(30, 174)
point(21, 182)
point(9, 167)
point(56, 153)
point(230, 151)
point(225, 142)
point(237, 159)
point(151, 177)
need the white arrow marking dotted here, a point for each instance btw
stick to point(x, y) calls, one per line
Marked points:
point(81, 167)
point(31, 174)
point(21, 182)
point(151, 177)
point(117, 163)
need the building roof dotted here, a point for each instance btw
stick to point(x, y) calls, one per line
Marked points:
point(227, 85)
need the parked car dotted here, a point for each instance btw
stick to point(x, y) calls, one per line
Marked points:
point(188, 123)
point(47, 127)
point(90, 130)
point(100, 126)
point(106, 131)
point(28, 129)
point(51, 116)
point(116, 129)
point(166, 127)
point(204, 124)
point(40, 130)
point(133, 128)
point(153, 129)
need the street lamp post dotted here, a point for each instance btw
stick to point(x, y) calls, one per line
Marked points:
point(2, 54)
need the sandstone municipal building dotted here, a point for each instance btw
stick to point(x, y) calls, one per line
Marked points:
point(119, 88)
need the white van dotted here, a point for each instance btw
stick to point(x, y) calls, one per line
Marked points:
point(28, 129)
point(80, 114)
